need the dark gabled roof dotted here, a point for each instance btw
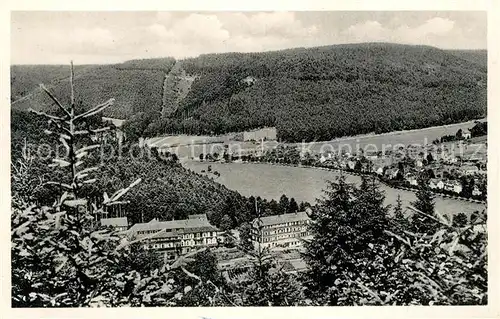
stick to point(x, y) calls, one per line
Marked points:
point(186, 225)
point(279, 219)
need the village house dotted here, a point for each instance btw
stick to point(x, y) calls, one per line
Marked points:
point(466, 134)
point(469, 170)
point(476, 191)
point(391, 173)
point(322, 159)
point(412, 179)
point(457, 187)
point(418, 163)
point(281, 231)
point(351, 164)
point(453, 186)
point(119, 223)
point(365, 167)
point(378, 169)
point(342, 164)
point(436, 183)
point(176, 237)
point(450, 159)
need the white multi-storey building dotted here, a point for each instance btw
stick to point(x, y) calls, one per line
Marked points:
point(281, 231)
point(176, 237)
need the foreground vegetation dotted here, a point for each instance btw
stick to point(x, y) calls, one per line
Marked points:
point(361, 252)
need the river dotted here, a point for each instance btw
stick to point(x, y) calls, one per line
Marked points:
point(305, 184)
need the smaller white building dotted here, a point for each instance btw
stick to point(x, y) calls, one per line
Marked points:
point(466, 134)
point(453, 186)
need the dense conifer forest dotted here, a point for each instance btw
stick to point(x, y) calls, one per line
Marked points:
point(307, 93)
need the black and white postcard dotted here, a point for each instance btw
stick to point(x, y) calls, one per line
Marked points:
point(224, 159)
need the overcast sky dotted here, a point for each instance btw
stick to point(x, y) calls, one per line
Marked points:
point(110, 37)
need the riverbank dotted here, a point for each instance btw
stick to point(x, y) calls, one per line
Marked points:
point(409, 189)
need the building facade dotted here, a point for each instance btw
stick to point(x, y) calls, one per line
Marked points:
point(119, 223)
point(281, 231)
point(453, 186)
point(266, 134)
point(176, 237)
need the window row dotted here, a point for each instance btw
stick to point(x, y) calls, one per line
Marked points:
point(287, 224)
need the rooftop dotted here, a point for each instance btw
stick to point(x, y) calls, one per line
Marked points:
point(469, 168)
point(184, 224)
point(284, 218)
point(116, 222)
point(453, 182)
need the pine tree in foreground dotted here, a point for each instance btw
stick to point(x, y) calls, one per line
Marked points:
point(423, 221)
point(358, 256)
point(346, 225)
point(398, 209)
point(60, 256)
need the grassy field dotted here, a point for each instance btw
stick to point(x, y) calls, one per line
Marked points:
point(389, 140)
point(194, 145)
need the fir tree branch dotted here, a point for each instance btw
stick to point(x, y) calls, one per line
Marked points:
point(55, 99)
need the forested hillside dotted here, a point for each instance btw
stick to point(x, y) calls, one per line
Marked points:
point(307, 93)
point(479, 57)
point(136, 85)
point(26, 78)
point(326, 92)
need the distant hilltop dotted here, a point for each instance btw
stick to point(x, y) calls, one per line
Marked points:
point(307, 94)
